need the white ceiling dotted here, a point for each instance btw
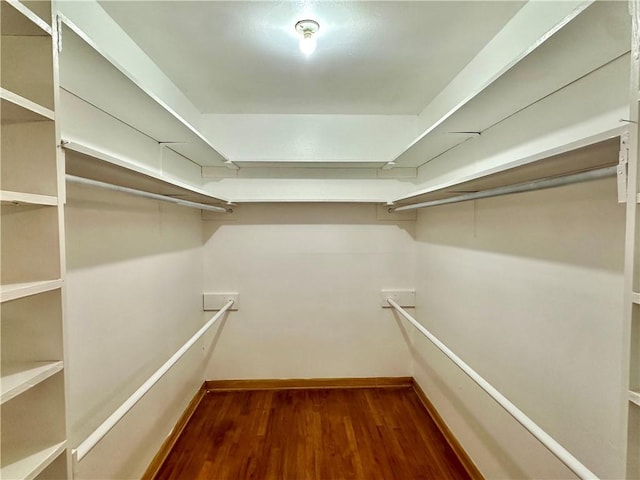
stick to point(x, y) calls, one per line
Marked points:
point(377, 57)
point(391, 84)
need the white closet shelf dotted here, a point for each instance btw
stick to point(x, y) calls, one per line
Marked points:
point(16, 108)
point(603, 152)
point(634, 397)
point(28, 464)
point(88, 162)
point(20, 377)
point(13, 291)
point(21, 198)
point(95, 77)
point(18, 19)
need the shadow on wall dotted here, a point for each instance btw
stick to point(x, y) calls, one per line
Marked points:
point(303, 214)
point(84, 425)
point(107, 227)
point(558, 225)
point(210, 345)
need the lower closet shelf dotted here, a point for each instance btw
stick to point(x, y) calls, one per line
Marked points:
point(21, 377)
point(27, 465)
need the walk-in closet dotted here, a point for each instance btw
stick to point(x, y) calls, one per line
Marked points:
point(319, 239)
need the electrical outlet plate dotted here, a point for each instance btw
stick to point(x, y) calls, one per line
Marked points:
point(215, 301)
point(405, 297)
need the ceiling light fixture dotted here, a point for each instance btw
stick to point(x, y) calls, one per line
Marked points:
point(307, 28)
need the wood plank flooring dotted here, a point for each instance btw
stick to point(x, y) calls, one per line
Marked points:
point(321, 434)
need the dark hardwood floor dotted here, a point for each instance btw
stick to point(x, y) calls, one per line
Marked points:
point(364, 433)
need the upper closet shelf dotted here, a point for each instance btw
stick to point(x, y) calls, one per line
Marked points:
point(17, 109)
point(91, 75)
point(18, 19)
point(594, 156)
point(86, 162)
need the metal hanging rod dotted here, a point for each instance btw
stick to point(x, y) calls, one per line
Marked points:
point(141, 193)
point(99, 433)
point(518, 188)
point(543, 437)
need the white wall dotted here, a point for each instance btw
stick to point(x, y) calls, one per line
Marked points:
point(528, 290)
point(307, 138)
point(309, 278)
point(134, 288)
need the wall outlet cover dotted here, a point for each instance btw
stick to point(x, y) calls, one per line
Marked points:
point(215, 301)
point(405, 297)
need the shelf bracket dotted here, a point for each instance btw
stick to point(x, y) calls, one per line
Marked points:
point(623, 160)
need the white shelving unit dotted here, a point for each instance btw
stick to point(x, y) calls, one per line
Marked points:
point(32, 386)
point(104, 109)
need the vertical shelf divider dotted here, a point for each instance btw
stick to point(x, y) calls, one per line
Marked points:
point(631, 319)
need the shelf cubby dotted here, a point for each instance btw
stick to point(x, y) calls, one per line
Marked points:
point(31, 329)
point(28, 152)
point(25, 18)
point(30, 244)
point(33, 431)
point(27, 68)
point(42, 9)
point(57, 470)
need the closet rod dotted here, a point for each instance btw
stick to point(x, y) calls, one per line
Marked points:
point(99, 433)
point(141, 193)
point(543, 437)
point(518, 188)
